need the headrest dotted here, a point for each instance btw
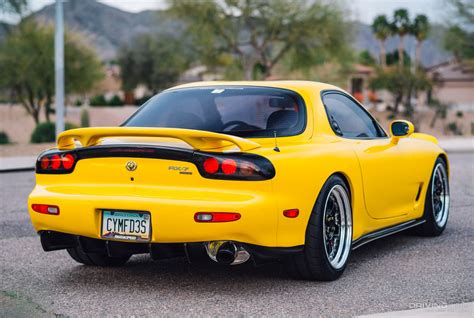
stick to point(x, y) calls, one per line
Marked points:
point(282, 119)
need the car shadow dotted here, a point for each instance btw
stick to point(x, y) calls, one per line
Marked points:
point(179, 273)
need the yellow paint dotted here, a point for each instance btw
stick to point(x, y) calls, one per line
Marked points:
point(383, 177)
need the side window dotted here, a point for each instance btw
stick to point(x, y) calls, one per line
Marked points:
point(348, 119)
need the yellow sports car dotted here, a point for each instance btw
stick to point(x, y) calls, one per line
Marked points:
point(290, 170)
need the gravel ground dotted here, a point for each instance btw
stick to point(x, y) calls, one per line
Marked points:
point(394, 273)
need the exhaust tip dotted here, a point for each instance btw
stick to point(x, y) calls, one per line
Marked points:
point(226, 252)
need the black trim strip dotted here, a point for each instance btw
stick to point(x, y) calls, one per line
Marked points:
point(266, 251)
point(385, 232)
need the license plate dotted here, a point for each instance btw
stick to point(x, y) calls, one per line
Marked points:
point(124, 225)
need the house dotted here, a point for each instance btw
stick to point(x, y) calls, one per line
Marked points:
point(454, 84)
point(358, 83)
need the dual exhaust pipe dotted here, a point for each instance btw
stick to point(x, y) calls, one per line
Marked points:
point(226, 252)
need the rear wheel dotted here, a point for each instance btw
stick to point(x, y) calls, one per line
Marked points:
point(436, 203)
point(328, 235)
point(96, 259)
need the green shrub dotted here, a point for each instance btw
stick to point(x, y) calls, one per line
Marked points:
point(98, 100)
point(4, 138)
point(45, 132)
point(78, 102)
point(454, 128)
point(116, 101)
point(85, 118)
point(459, 114)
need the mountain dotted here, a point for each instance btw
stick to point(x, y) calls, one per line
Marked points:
point(109, 28)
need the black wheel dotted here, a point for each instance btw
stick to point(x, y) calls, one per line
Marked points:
point(96, 259)
point(436, 210)
point(328, 235)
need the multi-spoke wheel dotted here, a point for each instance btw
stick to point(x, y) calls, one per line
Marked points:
point(437, 202)
point(328, 235)
point(337, 226)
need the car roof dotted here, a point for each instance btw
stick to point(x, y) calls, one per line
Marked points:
point(297, 86)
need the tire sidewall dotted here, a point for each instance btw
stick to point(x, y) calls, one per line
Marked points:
point(429, 213)
point(316, 220)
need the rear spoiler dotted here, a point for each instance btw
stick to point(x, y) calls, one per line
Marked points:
point(198, 139)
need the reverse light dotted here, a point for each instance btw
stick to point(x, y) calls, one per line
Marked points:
point(45, 209)
point(216, 216)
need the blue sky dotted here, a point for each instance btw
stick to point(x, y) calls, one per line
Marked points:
point(362, 10)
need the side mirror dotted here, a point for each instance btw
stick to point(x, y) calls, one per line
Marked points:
point(399, 129)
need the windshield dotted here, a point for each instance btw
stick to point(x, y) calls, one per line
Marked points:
point(240, 111)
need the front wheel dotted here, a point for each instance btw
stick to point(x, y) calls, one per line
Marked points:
point(328, 235)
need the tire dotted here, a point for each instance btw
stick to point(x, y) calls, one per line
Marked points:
point(436, 209)
point(96, 259)
point(320, 260)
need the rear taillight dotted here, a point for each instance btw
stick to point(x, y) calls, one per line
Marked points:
point(237, 166)
point(56, 162)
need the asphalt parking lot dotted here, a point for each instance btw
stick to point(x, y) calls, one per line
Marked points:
point(394, 273)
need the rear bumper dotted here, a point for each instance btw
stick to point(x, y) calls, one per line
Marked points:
point(52, 241)
point(172, 217)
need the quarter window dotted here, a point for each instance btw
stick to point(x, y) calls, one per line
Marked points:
point(348, 119)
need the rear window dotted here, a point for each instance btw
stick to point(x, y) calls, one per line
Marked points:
point(240, 111)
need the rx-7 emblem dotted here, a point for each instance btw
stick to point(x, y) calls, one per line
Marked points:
point(131, 165)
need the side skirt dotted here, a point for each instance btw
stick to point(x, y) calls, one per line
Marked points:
point(385, 232)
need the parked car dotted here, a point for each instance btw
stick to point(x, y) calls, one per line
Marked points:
point(290, 170)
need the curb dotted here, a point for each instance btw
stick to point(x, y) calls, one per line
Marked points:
point(17, 169)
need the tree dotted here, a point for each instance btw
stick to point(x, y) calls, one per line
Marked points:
point(419, 29)
point(401, 26)
point(459, 38)
point(400, 82)
point(156, 62)
point(382, 30)
point(27, 64)
point(365, 58)
point(257, 35)
point(440, 110)
point(13, 6)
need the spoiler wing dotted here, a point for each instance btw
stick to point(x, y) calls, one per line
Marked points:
point(198, 139)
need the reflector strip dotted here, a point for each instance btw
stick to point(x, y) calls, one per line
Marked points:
point(45, 209)
point(291, 213)
point(216, 216)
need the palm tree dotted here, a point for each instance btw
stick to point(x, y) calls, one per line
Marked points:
point(420, 28)
point(382, 30)
point(401, 26)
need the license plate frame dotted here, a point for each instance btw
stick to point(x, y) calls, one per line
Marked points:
point(108, 214)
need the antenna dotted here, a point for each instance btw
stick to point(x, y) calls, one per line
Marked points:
point(276, 145)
